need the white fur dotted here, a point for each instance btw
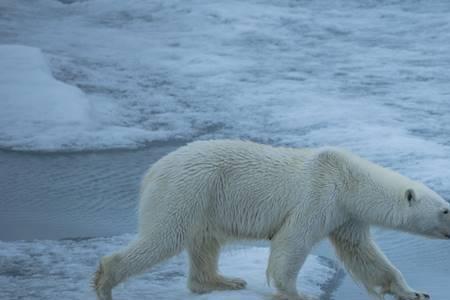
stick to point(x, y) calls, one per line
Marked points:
point(207, 193)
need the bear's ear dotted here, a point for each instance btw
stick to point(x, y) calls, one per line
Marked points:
point(410, 196)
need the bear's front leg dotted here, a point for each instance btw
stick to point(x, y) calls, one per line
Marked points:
point(287, 255)
point(400, 289)
point(367, 264)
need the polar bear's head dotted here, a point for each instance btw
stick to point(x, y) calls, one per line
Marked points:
point(383, 197)
point(424, 212)
point(400, 203)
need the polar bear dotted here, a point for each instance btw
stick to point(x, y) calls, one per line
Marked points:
point(210, 192)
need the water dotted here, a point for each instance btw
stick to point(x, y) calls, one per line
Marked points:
point(369, 76)
point(72, 195)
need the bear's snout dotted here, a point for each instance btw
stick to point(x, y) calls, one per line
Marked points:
point(442, 229)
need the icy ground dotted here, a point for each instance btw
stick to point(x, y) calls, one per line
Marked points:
point(33, 102)
point(39, 112)
point(62, 269)
point(371, 76)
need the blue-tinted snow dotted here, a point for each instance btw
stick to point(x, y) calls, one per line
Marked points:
point(35, 108)
point(48, 270)
point(366, 75)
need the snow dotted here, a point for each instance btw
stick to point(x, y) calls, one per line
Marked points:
point(42, 113)
point(33, 102)
point(62, 270)
point(371, 77)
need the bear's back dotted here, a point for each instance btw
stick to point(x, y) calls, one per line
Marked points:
point(207, 157)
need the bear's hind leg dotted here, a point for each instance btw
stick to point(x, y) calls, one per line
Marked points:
point(288, 252)
point(203, 270)
point(136, 258)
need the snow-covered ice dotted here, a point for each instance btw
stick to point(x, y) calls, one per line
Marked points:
point(39, 112)
point(36, 109)
point(368, 76)
point(62, 269)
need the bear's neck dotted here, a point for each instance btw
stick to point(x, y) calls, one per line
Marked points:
point(369, 193)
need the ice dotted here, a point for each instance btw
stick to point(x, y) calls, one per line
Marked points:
point(371, 77)
point(36, 109)
point(63, 269)
point(41, 113)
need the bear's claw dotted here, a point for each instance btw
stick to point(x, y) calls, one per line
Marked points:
point(218, 284)
point(415, 296)
point(226, 283)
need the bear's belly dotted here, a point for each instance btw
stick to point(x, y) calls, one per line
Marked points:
point(247, 221)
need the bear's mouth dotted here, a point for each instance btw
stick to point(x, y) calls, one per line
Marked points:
point(446, 235)
point(441, 234)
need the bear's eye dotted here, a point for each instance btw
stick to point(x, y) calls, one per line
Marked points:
point(410, 196)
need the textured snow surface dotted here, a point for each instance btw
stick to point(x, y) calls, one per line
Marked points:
point(36, 109)
point(370, 76)
point(39, 112)
point(63, 270)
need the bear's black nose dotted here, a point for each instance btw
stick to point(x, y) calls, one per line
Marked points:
point(445, 211)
